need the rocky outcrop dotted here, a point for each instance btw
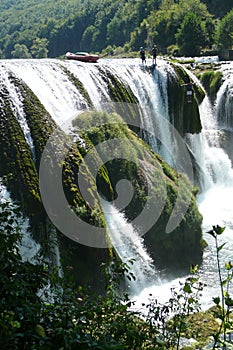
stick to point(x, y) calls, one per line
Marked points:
point(20, 165)
point(183, 115)
point(154, 185)
point(153, 181)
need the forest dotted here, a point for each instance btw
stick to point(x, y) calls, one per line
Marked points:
point(40, 29)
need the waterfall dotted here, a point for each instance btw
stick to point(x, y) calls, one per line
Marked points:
point(224, 101)
point(129, 246)
point(150, 89)
point(51, 84)
point(50, 81)
point(215, 197)
point(28, 248)
point(15, 99)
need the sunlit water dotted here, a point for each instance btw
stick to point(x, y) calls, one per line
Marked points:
point(49, 81)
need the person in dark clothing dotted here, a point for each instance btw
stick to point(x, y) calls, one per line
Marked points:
point(143, 55)
point(189, 89)
point(154, 54)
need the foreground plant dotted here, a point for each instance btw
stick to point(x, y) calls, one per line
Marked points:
point(68, 317)
point(169, 321)
point(224, 303)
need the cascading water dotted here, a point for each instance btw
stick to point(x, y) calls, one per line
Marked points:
point(29, 248)
point(224, 101)
point(129, 245)
point(51, 85)
point(16, 106)
point(50, 82)
point(215, 198)
point(150, 89)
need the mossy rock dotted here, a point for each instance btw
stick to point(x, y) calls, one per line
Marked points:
point(40, 122)
point(183, 115)
point(77, 83)
point(153, 181)
point(17, 166)
point(123, 99)
point(212, 81)
point(201, 327)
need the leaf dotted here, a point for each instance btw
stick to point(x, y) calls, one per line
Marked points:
point(216, 300)
point(40, 331)
point(220, 247)
point(218, 229)
point(229, 265)
point(187, 288)
point(211, 232)
point(225, 282)
point(229, 301)
point(160, 342)
point(193, 268)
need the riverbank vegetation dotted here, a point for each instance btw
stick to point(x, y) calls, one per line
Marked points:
point(41, 309)
point(49, 29)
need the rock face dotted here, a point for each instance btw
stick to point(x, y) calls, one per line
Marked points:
point(183, 115)
point(155, 185)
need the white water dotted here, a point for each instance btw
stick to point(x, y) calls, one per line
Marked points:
point(215, 202)
point(224, 101)
point(49, 82)
point(29, 248)
point(16, 106)
point(129, 245)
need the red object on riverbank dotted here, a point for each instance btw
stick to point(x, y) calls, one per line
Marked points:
point(82, 56)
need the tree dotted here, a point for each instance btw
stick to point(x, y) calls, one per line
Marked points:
point(210, 29)
point(20, 51)
point(225, 32)
point(164, 23)
point(190, 36)
point(87, 37)
point(39, 48)
point(219, 8)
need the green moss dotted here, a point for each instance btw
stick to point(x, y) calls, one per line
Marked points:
point(201, 327)
point(40, 123)
point(17, 165)
point(130, 159)
point(77, 83)
point(211, 81)
point(183, 115)
point(125, 102)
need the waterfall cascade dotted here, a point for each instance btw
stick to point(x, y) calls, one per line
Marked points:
point(29, 247)
point(49, 81)
point(129, 246)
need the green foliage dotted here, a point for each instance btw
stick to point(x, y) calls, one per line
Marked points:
point(218, 8)
point(40, 310)
point(50, 29)
point(20, 305)
point(39, 48)
point(169, 321)
point(165, 23)
point(224, 303)
point(190, 36)
point(20, 51)
point(211, 81)
point(225, 31)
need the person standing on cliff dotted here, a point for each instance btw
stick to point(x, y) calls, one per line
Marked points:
point(143, 55)
point(154, 52)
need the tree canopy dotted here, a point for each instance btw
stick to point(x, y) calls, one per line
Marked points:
point(91, 25)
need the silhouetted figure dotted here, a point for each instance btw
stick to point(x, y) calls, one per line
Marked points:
point(154, 52)
point(143, 55)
